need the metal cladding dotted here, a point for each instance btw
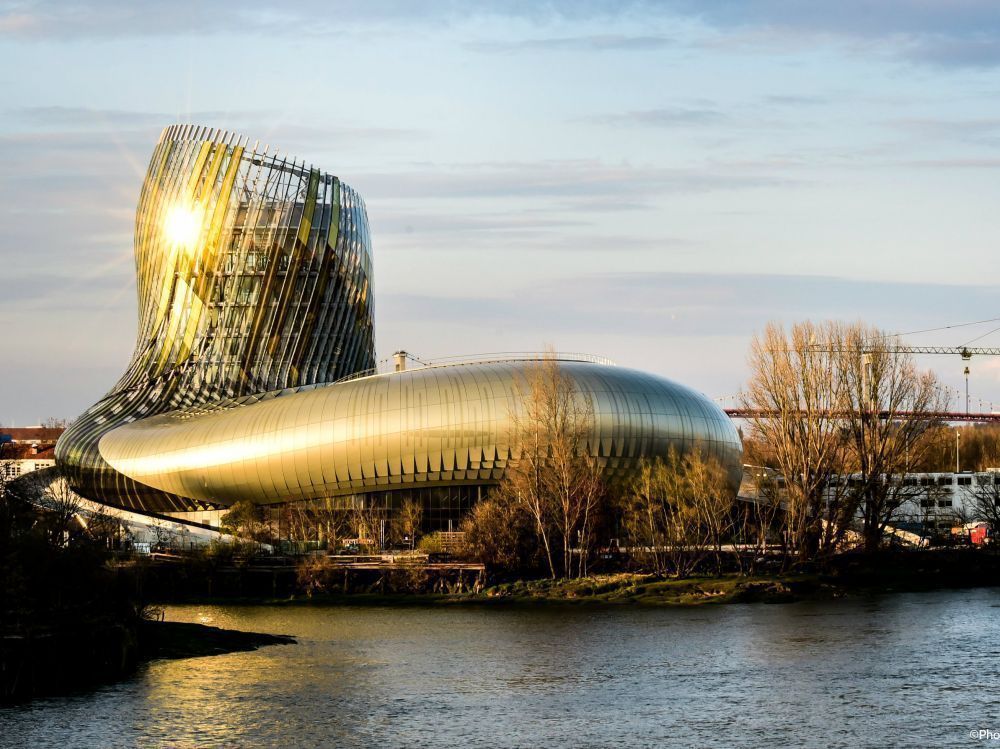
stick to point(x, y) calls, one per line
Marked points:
point(254, 274)
point(254, 280)
point(404, 430)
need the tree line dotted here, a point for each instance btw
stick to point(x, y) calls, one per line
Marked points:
point(829, 400)
point(554, 512)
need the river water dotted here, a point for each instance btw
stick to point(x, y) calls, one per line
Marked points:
point(917, 669)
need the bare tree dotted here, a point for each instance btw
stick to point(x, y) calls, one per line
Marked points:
point(680, 510)
point(247, 521)
point(708, 485)
point(60, 505)
point(555, 477)
point(16, 513)
point(795, 393)
point(322, 522)
point(368, 519)
point(887, 401)
point(985, 496)
point(411, 514)
point(302, 522)
point(332, 521)
point(164, 537)
point(106, 527)
point(647, 516)
point(756, 519)
point(832, 400)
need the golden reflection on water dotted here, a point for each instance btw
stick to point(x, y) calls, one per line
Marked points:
point(222, 697)
point(802, 675)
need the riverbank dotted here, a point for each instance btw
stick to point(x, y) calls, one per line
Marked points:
point(43, 661)
point(171, 640)
point(837, 577)
point(596, 590)
point(844, 575)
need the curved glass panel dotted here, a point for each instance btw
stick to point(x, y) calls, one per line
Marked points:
point(254, 273)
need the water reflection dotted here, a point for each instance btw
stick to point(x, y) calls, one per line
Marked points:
point(917, 668)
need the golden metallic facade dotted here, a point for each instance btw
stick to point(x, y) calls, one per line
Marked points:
point(440, 425)
point(254, 274)
point(254, 293)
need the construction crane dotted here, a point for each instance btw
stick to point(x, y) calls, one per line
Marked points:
point(964, 351)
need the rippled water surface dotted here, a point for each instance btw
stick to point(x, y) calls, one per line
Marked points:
point(903, 670)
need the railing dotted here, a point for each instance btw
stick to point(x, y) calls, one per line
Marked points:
point(451, 540)
point(501, 357)
point(505, 356)
point(356, 376)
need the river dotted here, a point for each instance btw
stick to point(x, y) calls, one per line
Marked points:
point(915, 669)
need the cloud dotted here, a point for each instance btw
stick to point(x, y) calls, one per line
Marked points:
point(982, 131)
point(13, 22)
point(115, 119)
point(663, 117)
point(44, 19)
point(581, 178)
point(471, 223)
point(854, 17)
point(953, 164)
point(591, 43)
point(957, 50)
point(43, 291)
point(937, 126)
point(260, 122)
point(694, 327)
point(798, 100)
point(693, 304)
point(947, 33)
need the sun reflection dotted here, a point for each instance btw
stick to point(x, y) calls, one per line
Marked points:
point(183, 225)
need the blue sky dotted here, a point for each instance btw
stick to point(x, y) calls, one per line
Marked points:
point(649, 181)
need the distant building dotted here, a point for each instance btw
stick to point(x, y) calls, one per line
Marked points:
point(32, 435)
point(942, 501)
point(934, 503)
point(26, 449)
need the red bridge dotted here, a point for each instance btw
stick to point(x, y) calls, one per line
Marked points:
point(745, 413)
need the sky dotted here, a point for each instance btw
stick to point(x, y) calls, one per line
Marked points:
point(648, 181)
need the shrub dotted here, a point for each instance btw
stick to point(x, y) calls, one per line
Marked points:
point(502, 536)
point(314, 574)
point(431, 544)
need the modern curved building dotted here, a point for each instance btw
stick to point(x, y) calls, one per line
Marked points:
point(253, 373)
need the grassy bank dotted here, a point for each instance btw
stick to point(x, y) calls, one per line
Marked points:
point(596, 590)
point(649, 590)
point(844, 575)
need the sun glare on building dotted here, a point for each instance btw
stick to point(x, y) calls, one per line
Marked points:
point(183, 225)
